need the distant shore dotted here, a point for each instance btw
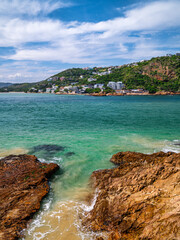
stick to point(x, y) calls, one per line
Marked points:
point(101, 94)
point(163, 93)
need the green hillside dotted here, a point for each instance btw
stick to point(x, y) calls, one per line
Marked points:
point(160, 73)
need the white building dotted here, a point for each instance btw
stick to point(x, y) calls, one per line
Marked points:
point(54, 87)
point(116, 85)
point(48, 90)
point(112, 85)
point(99, 85)
point(91, 79)
point(120, 85)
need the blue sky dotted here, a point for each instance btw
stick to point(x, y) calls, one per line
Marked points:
point(39, 38)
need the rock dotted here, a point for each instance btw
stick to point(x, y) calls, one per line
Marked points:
point(139, 199)
point(101, 94)
point(114, 236)
point(48, 148)
point(23, 184)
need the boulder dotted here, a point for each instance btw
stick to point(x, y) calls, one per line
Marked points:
point(138, 199)
point(23, 184)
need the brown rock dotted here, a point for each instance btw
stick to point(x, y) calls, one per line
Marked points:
point(23, 184)
point(139, 199)
point(114, 236)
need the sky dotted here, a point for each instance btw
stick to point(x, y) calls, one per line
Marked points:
point(39, 38)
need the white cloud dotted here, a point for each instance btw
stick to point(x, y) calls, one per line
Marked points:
point(20, 71)
point(18, 31)
point(15, 75)
point(30, 7)
point(78, 42)
point(86, 42)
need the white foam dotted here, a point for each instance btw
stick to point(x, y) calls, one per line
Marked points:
point(88, 208)
point(57, 160)
point(172, 146)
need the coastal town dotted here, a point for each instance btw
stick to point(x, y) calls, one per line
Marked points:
point(92, 87)
point(155, 76)
point(117, 88)
point(159, 76)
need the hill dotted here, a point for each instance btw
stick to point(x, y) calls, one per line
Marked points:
point(4, 84)
point(157, 74)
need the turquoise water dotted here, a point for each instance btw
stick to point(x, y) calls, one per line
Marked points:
point(86, 131)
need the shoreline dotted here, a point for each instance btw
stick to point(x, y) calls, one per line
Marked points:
point(161, 93)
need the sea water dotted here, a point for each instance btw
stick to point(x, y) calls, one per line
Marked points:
point(81, 133)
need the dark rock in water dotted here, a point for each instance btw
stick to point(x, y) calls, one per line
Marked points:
point(69, 154)
point(48, 148)
point(138, 199)
point(177, 144)
point(23, 184)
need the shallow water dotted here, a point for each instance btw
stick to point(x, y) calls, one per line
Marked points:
point(81, 133)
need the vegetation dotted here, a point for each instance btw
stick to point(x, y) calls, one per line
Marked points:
point(95, 90)
point(160, 73)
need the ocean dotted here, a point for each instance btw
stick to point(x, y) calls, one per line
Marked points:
point(81, 133)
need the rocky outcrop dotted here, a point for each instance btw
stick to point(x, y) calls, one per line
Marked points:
point(139, 199)
point(158, 71)
point(23, 184)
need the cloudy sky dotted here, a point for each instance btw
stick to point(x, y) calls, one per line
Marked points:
point(39, 38)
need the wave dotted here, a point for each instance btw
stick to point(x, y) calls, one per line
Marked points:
point(173, 146)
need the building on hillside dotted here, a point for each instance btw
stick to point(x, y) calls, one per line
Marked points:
point(48, 90)
point(62, 79)
point(99, 85)
point(104, 73)
point(116, 85)
point(112, 85)
point(33, 89)
point(67, 87)
point(54, 87)
point(90, 85)
point(91, 79)
point(139, 90)
point(54, 78)
point(119, 85)
point(74, 89)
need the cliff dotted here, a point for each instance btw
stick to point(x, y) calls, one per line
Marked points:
point(23, 184)
point(138, 199)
